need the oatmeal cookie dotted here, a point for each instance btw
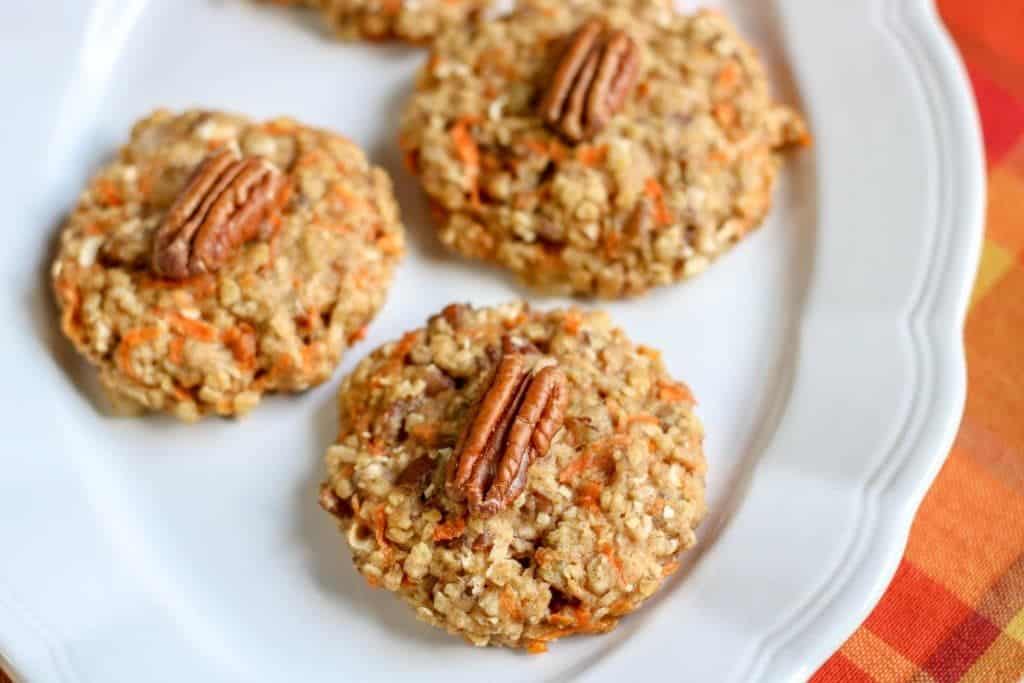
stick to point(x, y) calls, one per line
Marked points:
point(410, 20)
point(597, 147)
point(516, 476)
point(217, 258)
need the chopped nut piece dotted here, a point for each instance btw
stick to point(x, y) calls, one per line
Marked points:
point(513, 425)
point(592, 82)
point(228, 202)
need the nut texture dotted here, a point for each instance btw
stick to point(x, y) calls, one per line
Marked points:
point(682, 173)
point(228, 202)
point(604, 515)
point(276, 317)
point(594, 77)
point(513, 425)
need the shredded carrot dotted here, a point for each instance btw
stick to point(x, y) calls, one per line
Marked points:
point(612, 243)
point(380, 526)
point(542, 556)
point(729, 76)
point(311, 353)
point(241, 339)
point(449, 529)
point(641, 418)
point(109, 192)
point(358, 335)
point(620, 607)
point(348, 201)
point(725, 113)
point(509, 603)
point(283, 363)
point(589, 495)
point(655, 192)
point(469, 154)
point(653, 354)
point(196, 329)
point(552, 149)
point(411, 159)
point(670, 569)
point(571, 619)
point(180, 392)
point(598, 452)
point(617, 414)
point(572, 321)
point(390, 243)
point(510, 323)
point(537, 147)
point(131, 339)
point(279, 127)
point(590, 155)
point(718, 157)
point(609, 552)
point(310, 158)
point(536, 647)
point(175, 352)
point(372, 580)
point(404, 345)
point(675, 392)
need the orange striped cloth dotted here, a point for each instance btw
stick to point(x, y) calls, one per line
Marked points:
point(955, 609)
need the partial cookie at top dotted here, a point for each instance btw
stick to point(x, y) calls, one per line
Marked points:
point(658, 154)
point(411, 20)
point(516, 476)
point(218, 258)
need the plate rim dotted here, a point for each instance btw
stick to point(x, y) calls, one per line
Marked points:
point(894, 492)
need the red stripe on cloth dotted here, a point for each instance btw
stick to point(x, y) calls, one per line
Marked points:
point(962, 648)
point(1002, 115)
point(916, 615)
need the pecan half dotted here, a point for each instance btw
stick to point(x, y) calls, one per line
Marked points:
point(592, 81)
point(513, 425)
point(227, 202)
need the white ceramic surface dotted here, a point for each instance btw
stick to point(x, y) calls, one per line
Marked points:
point(825, 351)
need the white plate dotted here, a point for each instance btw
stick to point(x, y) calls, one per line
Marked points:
point(825, 350)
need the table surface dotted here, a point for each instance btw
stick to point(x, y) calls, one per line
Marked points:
point(955, 609)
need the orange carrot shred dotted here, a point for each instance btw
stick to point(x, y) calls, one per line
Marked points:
point(469, 153)
point(131, 339)
point(654, 191)
point(196, 329)
point(675, 392)
point(108, 192)
point(572, 321)
point(358, 335)
point(509, 603)
point(380, 525)
point(175, 353)
point(449, 529)
point(590, 155)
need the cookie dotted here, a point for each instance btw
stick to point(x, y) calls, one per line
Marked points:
point(217, 258)
point(410, 20)
point(516, 476)
point(597, 147)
